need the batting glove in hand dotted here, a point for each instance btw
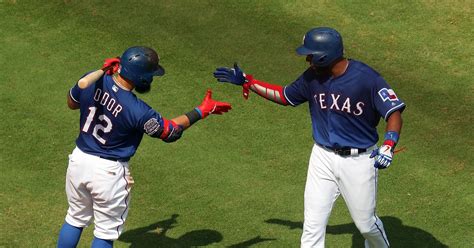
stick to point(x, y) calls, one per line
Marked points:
point(111, 65)
point(210, 106)
point(231, 75)
point(383, 156)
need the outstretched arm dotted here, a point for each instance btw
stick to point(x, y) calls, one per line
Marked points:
point(236, 76)
point(171, 130)
point(268, 91)
point(207, 107)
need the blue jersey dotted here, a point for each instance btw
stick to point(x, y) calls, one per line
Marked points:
point(113, 120)
point(345, 110)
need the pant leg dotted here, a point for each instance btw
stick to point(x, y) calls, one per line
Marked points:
point(111, 197)
point(358, 186)
point(376, 237)
point(321, 192)
point(79, 213)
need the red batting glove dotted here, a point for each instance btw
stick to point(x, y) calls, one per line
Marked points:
point(111, 65)
point(210, 106)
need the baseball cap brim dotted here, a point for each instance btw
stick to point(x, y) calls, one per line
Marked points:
point(302, 50)
point(160, 71)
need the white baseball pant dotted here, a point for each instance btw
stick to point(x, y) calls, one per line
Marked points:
point(97, 189)
point(353, 177)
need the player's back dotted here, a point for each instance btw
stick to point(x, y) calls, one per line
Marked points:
point(110, 120)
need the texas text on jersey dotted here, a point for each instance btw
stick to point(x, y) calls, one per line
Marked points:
point(345, 114)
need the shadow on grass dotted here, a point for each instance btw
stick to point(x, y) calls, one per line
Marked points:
point(154, 235)
point(399, 235)
point(250, 242)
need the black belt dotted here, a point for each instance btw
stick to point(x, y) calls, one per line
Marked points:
point(345, 151)
point(115, 159)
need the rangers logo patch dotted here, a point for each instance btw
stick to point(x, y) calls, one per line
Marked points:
point(388, 94)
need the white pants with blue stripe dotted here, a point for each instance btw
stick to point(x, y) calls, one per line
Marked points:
point(97, 189)
point(353, 177)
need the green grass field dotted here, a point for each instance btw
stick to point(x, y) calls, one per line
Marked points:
point(237, 180)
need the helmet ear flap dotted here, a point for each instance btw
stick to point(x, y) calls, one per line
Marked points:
point(317, 60)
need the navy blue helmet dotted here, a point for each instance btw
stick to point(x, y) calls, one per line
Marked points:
point(139, 64)
point(325, 44)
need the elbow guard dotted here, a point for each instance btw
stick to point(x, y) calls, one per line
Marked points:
point(271, 92)
point(163, 129)
point(171, 131)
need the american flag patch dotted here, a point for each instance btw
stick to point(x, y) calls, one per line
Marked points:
point(388, 94)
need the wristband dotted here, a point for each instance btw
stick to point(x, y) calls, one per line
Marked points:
point(194, 116)
point(392, 135)
point(391, 139)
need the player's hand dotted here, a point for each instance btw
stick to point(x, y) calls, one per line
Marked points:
point(383, 156)
point(111, 65)
point(230, 75)
point(210, 106)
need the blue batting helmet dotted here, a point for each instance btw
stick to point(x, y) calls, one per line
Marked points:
point(325, 44)
point(139, 64)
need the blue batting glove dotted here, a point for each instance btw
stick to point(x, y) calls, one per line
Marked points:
point(383, 157)
point(230, 75)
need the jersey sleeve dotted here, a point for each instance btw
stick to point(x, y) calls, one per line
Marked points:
point(150, 123)
point(75, 93)
point(385, 100)
point(296, 92)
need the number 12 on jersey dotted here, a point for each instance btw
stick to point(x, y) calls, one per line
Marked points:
point(103, 120)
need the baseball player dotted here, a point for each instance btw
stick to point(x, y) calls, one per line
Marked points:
point(346, 100)
point(112, 123)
